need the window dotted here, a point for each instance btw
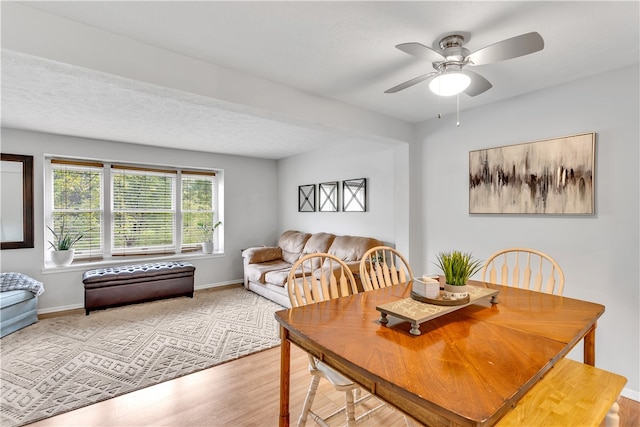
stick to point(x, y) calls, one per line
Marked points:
point(197, 208)
point(149, 210)
point(76, 204)
point(144, 211)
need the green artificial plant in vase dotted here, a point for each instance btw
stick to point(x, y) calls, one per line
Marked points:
point(64, 239)
point(206, 232)
point(62, 245)
point(457, 267)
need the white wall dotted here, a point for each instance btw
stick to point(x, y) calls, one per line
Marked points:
point(384, 167)
point(249, 201)
point(599, 254)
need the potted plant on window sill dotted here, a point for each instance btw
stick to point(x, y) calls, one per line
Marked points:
point(62, 246)
point(457, 267)
point(206, 232)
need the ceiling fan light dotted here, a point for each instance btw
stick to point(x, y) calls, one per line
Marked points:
point(448, 84)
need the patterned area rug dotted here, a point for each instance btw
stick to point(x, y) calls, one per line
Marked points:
point(64, 363)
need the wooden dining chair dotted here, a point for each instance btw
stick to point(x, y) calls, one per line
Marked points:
point(314, 278)
point(383, 266)
point(524, 268)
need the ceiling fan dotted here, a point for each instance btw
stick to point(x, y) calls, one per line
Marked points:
point(451, 77)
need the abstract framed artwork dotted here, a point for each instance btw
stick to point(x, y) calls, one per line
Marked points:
point(553, 176)
point(354, 195)
point(307, 198)
point(328, 196)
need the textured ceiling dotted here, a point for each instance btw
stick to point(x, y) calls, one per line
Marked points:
point(70, 100)
point(343, 51)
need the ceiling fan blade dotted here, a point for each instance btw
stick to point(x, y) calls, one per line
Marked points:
point(507, 49)
point(410, 83)
point(478, 83)
point(421, 51)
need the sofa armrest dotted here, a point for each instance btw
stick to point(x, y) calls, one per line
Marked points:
point(262, 254)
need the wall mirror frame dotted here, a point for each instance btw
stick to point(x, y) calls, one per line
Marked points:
point(328, 196)
point(307, 198)
point(17, 213)
point(354, 195)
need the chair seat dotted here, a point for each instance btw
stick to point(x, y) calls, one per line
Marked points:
point(571, 394)
point(334, 377)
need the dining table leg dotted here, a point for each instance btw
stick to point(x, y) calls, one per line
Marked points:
point(590, 346)
point(285, 371)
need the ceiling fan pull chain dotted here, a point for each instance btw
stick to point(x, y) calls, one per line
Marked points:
point(458, 110)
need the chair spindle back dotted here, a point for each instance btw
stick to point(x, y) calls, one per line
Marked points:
point(319, 277)
point(383, 266)
point(518, 266)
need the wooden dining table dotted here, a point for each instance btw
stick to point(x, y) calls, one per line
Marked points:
point(468, 367)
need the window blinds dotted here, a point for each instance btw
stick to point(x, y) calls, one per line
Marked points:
point(144, 210)
point(197, 208)
point(77, 203)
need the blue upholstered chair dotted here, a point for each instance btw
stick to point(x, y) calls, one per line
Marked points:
point(18, 301)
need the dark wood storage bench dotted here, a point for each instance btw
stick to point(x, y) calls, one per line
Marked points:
point(113, 286)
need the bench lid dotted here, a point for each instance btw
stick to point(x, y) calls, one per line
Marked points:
point(126, 272)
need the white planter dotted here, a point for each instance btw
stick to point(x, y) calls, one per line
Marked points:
point(455, 292)
point(62, 258)
point(207, 247)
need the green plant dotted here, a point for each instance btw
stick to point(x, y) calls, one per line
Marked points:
point(65, 239)
point(377, 259)
point(206, 231)
point(457, 267)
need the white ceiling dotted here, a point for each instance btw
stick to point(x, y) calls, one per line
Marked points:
point(343, 51)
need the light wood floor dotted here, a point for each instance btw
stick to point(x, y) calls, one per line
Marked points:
point(244, 392)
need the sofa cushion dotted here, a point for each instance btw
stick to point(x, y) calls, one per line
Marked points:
point(277, 277)
point(262, 254)
point(318, 242)
point(257, 272)
point(292, 243)
point(352, 248)
point(9, 298)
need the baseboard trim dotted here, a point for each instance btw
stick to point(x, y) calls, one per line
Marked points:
point(631, 394)
point(218, 284)
point(60, 308)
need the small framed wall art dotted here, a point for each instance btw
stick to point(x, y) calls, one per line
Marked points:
point(354, 195)
point(307, 198)
point(553, 176)
point(328, 197)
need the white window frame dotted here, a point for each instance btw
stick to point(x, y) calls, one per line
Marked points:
point(106, 255)
point(188, 247)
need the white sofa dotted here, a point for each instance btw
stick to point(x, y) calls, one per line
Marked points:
point(266, 268)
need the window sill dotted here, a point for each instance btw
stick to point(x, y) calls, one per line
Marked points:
point(49, 268)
